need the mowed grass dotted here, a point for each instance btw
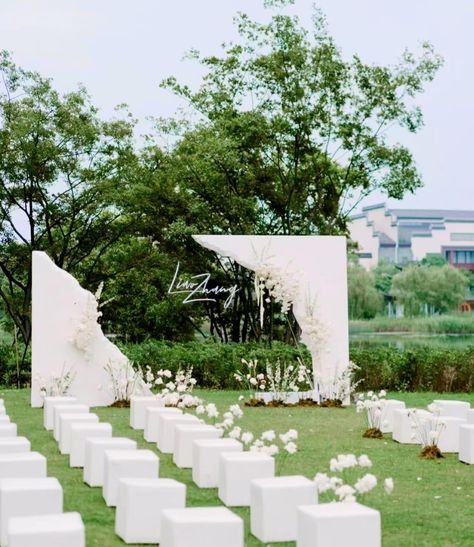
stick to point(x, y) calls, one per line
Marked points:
point(432, 504)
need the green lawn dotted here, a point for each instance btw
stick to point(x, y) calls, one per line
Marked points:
point(437, 510)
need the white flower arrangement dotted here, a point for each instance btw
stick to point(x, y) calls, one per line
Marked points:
point(339, 388)
point(427, 430)
point(56, 385)
point(338, 487)
point(125, 381)
point(250, 377)
point(271, 281)
point(88, 329)
point(283, 378)
point(373, 405)
point(176, 391)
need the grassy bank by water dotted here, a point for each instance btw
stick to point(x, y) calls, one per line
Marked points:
point(431, 504)
point(442, 324)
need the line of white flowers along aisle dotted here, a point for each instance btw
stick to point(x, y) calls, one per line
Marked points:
point(373, 405)
point(427, 430)
point(345, 484)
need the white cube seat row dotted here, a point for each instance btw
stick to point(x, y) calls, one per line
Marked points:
point(338, 525)
point(80, 432)
point(454, 409)
point(31, 503)
point(52, 530)
point(21, 497)
point(138, 406)
point(388, 414)
point(48, 409)
point(121, 464)
point(8, 429)
point(152, 413)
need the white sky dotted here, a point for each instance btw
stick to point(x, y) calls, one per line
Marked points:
point(120, 50)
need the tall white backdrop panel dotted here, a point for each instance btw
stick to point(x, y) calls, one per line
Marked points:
point(67, 337)
point(320, 306)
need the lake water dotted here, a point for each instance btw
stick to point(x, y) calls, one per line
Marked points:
point(410, 340)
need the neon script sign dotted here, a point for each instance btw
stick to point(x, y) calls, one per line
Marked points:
point(197, 289)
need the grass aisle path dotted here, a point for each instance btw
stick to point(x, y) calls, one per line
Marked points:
point(432, 505)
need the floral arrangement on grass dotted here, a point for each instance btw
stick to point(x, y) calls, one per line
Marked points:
point(56, 385)
point(427, 429)
point(175, 390)
point(336, 391)
point(250, 377)
point(373, 405)
point(125, 381)
point(279, 379)
point(283, 378)
point(344, 485)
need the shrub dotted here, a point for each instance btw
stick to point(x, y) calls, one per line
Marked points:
point(422, 368)
point(418, 369)
point(214, 364)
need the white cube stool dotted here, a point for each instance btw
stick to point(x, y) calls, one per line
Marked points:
point(138, 405)
point(403, 432)
point(201, 526)
point(456, 409)
point(55, 530)
point(14, 444)
point(8, 430)
point(470, 416)
point(22, 464)
point(151, 421)
point(65, 422)
point(338, 525)
point(69, 409)
point(4, 419)
point(120, 464)
point(94, 458)
point(449, 437)
point(236, 470)
point(80, 431)
point(140, 504)
point(387, 414)
point(273, 504)
point(185, 434)
point(206, 454)
point(466, 443)
point(28, 497)
point(48, 409)
point(166, 429)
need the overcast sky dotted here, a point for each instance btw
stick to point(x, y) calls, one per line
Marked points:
point(120, 50)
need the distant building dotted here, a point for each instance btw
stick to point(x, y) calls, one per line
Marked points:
point(405, 235)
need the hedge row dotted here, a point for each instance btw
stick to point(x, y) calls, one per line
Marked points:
point(213, 364)
point(417, 369)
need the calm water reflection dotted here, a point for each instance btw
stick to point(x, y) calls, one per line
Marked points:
point(410, 340)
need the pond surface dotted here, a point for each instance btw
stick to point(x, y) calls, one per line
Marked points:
point(409, 340)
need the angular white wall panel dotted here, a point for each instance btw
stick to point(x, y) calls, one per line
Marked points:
point(319, 262)
point(66, 336)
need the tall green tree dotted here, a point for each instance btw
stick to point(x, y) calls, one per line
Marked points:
point(429, 289)
point(289, 133)
point(365, 301)
point(59, 168)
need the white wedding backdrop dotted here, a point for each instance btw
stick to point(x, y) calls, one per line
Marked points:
point(66, 337)
point(314, 271)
